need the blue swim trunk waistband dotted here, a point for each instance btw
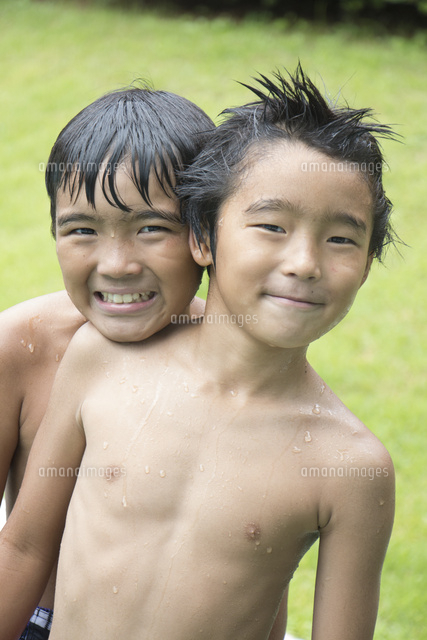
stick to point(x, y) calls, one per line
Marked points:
point(39, 625)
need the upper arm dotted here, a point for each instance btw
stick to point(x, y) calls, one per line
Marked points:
point(351, 552)
point(12, 364)
point(38, 516)
point(33, 337)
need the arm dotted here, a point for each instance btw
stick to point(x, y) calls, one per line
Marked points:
point(30, 540)
point(33, 337)
point(352, 548)
point(12, 364)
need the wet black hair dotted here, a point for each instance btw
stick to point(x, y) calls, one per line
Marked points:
point(289, 108)
point(138, 126)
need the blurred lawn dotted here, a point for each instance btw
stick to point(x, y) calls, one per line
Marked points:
point(55, 59)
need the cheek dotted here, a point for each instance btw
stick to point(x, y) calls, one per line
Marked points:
point(178, 261)
point(73, 267)
point(174, 249)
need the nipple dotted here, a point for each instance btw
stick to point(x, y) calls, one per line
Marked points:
point(253, 532)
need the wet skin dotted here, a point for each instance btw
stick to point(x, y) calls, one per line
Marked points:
point(145, 251)
point(127, 272)
point(199, 508)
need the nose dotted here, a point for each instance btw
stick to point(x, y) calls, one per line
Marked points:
point(118, 259)
point(301, 258)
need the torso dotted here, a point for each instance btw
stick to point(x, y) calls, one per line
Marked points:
point(190, 506)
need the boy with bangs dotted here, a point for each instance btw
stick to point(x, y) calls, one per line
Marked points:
point(123, 251)
point(208, 430)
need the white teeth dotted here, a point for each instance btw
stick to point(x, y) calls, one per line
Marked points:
point(126, 298)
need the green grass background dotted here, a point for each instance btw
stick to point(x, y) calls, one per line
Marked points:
point(56, 58)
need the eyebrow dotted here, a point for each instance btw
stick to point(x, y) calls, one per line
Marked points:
point(280, 204)
point(149, 214)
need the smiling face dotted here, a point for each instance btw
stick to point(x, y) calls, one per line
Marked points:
point(292, 245)
point(126, 272)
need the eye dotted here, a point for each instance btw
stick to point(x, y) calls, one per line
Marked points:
point(82, 231)
point(341, 240)
point(152, 228)
point(271, 227)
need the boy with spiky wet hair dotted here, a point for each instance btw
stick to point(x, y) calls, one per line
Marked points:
point(211, 457)
point(123, 251)
point(290, 110)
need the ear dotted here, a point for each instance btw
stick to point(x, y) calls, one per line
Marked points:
point(367, 268)
point(200, 251)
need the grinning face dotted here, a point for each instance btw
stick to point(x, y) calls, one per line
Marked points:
point(292, 245)
point(127, 273)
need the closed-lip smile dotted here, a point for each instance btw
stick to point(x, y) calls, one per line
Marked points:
point(297, 300)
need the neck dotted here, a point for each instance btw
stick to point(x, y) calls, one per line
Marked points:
point(238, 363)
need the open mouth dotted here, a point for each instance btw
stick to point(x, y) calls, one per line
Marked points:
point(125, 298)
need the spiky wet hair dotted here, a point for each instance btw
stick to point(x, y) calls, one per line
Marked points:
point(138, 126)
point(289, 108)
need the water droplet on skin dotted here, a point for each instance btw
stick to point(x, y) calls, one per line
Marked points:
point(194, 395)
point(57, 357)
point(122, 381)
point(115, 590)
point(31, 348)
point(169, 413)
point(322, 389)
point(185, 385)
point(162, 473)
point(134, 388)
point(307, 437)
point(269, 549)
point(124, 501)
point(233, 392)
point(23, 342)
point(201, 467)
point(296, 450)
point(142, 400)
point(224, 582)
point(316, 409)
point(381, 502)
point(257, 543)
point(147, 469)
point(105, 445)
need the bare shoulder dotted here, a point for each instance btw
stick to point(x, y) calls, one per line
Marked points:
point(353, 465)
point(197, 307)
point(88, 345)
point(37, 329)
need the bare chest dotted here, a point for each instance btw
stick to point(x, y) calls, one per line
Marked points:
point(231, 474)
